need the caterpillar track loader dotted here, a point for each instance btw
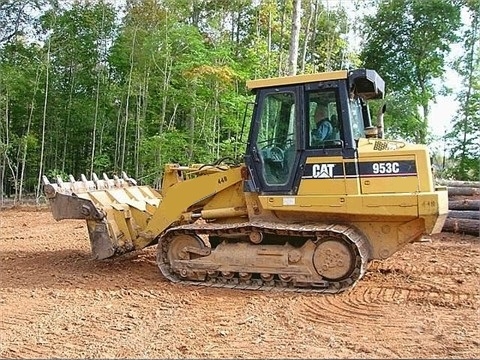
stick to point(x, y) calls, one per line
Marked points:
point(302, 213)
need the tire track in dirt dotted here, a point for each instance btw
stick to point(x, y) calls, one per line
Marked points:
point(435, 269)
point(378, 291)
point(394, 314)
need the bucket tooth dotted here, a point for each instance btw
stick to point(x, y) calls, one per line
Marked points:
point(88, 185)
point(116, 181)
point(101, 184)
point(61, 186)
point(128, 180)
point(107, 181)
point(84, 181)
point(98, 185)
point(45, 180)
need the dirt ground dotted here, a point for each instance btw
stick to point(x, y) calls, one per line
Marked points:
point(55, 301)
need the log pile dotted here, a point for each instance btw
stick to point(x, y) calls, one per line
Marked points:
point(463, 207)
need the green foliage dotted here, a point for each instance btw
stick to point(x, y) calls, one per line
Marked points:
point(164, 81)
point(401, 118)
point(53, 174)
point(407, 41)
point(329, 44)
point(16, 18)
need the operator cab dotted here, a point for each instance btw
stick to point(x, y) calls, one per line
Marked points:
point(305, 116)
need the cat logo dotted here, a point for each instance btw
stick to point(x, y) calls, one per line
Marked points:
point(322, 171)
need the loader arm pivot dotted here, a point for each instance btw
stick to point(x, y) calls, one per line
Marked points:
point(180, 197)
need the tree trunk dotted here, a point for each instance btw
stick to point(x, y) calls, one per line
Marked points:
point(25, 146)
point(280, 46)
point(67, 120)
point(6, 147)
point(3, 150)
point(138, 122)
point(294, 38)
point(143, 115)
point(463, 191)
point(217, 118)
point(129, 88)
point(191, 123)
point(95, 120)
point(118, 136)
point(269, 40)
point(44, 121)
point(314, 35)
point(422, 131)
point(465, 226)
point(466, 204)
point(464, 214)
point(457, 183)
point(472, 64)
point(307, 39)
point(166, 81)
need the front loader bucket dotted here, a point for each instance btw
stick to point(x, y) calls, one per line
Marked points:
point(116, 210)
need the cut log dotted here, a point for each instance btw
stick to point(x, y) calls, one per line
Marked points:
point(457, 183)
point(463, 191)
point(464, 214)
point(465, 226)
point(466, 204)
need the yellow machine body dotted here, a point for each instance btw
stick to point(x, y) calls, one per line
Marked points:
point(315, 227)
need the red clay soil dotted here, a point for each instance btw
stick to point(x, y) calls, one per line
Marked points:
point(55, 301)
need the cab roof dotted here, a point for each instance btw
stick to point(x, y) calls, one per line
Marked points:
point(365, 83)
point(296, 79)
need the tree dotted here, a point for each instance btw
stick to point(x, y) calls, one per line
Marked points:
point(407, 41)
point(466, 129)
point(77, 37)
point(328, 46)
point(20, 75)
point(101, 89)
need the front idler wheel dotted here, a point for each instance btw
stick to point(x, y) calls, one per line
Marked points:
point(183, 248)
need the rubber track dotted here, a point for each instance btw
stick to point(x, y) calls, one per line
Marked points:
point(356, 240)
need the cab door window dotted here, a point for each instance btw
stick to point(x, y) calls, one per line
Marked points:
point(276, 140)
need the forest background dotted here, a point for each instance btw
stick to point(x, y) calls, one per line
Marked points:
point(105, 86)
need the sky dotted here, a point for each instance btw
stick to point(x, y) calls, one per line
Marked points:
point(445, 108)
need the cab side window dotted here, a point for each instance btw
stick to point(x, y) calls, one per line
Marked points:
point(324, 122)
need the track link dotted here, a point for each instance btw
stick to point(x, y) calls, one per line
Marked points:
point(358, 243)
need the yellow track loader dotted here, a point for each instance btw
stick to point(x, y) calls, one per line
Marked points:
point(313, 202)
